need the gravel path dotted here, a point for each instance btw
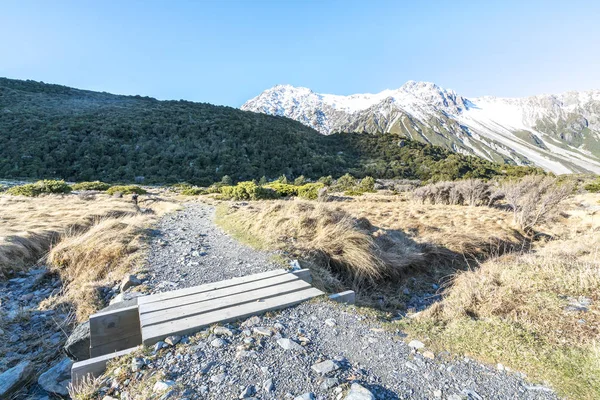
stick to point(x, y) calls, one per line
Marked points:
point(249, 360)
point(188, 249)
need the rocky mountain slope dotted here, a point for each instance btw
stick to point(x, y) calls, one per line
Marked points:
point(560, 133)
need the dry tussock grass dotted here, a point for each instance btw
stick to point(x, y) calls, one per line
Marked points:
point(30, 225)
point(463, 230)
point(89, 243)
point(521, 309)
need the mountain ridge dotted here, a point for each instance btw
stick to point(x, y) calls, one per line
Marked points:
point(560, 132)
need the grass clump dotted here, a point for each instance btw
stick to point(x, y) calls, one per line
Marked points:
point(95, 185)
point(283, 189)
point(39, 188)
point(521, 310)
point(593, 187)
point(126, 189)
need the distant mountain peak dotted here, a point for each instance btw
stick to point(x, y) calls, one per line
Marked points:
point(560, 133)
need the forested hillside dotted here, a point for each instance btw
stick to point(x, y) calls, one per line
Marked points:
point(53, 131)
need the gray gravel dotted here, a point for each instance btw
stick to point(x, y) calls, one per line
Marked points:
point(329, 346)
point(188, 249)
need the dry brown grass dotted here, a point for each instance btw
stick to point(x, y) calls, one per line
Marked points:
point(517, 309)
point(30, 225)
point(373, 243)
point(89, 243)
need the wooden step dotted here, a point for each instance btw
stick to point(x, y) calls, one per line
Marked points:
point(258, 304)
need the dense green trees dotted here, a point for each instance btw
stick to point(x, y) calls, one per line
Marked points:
point(52, 131)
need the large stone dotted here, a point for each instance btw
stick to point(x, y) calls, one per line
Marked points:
point(57, 379)
point(162, 386)
point(288, 344)
point(13, 378)
point(359, 392)
point(129, 281)
point(415, 344)
point(325, 367)
point(77, 346)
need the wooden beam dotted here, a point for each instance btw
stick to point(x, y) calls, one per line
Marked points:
point(303, 274)
point(348, 297)
point(113, 326)
point(94, 366)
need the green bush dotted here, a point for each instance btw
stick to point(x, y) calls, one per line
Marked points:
point(326, 180)
point(226, 180)
point(194, 191)
point(95, 185)
point(345, 182)
point(593, 187)
point(310, 191)
point(283, 189)
point(247, 191)
point(354, 192)
point(126, 189)
point(299, 181)
point(40, 187)
point(367, 184)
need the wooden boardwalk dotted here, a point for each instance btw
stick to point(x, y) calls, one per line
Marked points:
point(149, 319)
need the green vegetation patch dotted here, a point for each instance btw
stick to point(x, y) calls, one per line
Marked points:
point(95, 185)
point(40, 187)
point(126, 189)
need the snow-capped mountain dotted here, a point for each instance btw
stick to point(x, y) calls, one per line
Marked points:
point(560, 133)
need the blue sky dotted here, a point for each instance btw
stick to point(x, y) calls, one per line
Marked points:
point(225, 52)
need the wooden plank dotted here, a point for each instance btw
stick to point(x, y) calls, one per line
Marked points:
point(117, 345)
point(94, 366)
point(217, 293)
point(114, 325)
point(161, 316)
point(154, 333)
point(209, 286)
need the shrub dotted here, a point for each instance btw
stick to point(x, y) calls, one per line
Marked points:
point(247, 191)
point(345, 182)
point(194, 191)
point(283, 189)
point(95, 185)
point(40, 187)
point(126, 189)
point(326, 180)
point(299, 181)
point(534, 199)
point(367, 184)
point(214, 188)
point(263, 181)
point(593, 187)
point(310, 191)
point(473, 192)
point(226, 180)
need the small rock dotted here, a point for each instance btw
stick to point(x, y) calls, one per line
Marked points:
point(429, 354)
point(218, 342)
point(288, 344)
point(247, 392)
point(222, 331)
point(259, 330)
point(415, 344)
point(305, 396)
point(57, 379)
point(129, 281)
point(359, 392)
point(12, 379)
point(500, 367)
point(328, 383)
point(252, 321)
point(268, 385)
point(330, 322)
point(77, 345)
point(162, 386)
point(437, 394)
point(159, 345)
point(218, 378)
point(137, 364)
point(173, 340)
point(325, 367)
